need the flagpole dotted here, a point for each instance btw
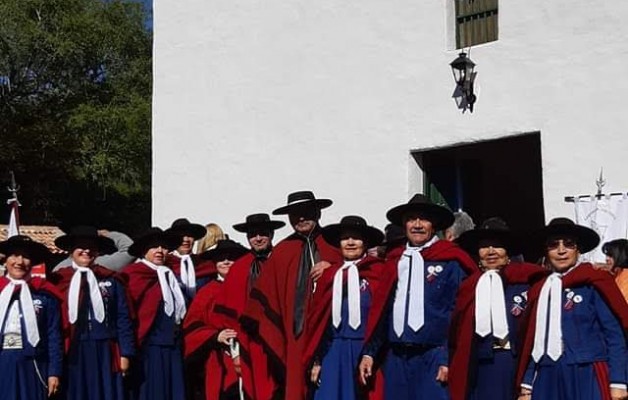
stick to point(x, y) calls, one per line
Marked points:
point(13, 202)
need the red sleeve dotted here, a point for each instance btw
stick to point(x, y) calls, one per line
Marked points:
point(199, 333)
point(232, 299)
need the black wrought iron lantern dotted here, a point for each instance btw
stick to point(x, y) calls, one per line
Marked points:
point(464, 75)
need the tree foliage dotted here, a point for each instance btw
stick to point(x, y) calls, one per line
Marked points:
point(75, 110)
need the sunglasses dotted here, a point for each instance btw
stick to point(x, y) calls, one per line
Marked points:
point(567, 243)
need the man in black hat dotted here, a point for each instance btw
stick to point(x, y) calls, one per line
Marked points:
point(275, 312)
point(411, 311)
point(191, 272)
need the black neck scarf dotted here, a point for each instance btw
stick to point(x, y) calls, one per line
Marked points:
point(309, 257)
point(256, 265)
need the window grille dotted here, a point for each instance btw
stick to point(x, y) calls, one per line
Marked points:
point(476, 22)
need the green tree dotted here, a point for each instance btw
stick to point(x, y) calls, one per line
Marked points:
point(75, 110)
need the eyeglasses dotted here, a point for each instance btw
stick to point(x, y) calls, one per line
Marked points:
point(567, 243)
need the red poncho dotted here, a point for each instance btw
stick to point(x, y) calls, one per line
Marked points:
point(257, 382)
point(201, 345)
point(145, 296)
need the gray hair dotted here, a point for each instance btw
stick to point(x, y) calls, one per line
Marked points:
point(462, 223)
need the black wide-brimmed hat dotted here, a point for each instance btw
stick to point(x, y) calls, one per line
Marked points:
point(153, 237)
point(225, 249)
point(354, 224)
point(25, 246)
point(586, 238)
point(257, 222)
point(83, 234)
point(301, 199)
point(440, 217)
point(493, 230)
point(183, 227)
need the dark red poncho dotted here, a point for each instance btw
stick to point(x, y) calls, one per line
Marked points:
point(269, 313)
point(200, 342)
point(256, 380)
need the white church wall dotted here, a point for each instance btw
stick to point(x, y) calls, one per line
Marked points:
point(253, 100)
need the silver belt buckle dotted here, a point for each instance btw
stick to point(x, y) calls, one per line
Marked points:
point(12, 341)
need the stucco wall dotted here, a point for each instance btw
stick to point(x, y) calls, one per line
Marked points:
point(255, 99)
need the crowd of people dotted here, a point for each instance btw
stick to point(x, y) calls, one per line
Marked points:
point(337, 312)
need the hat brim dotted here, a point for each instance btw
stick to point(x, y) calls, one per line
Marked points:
point(371, 236)
point(271, 225)
point(586, 238)
point(68, 242)
point(318, 203)
point(141, 245)
point(36, 251)
point(470, 240)
point(196, 231)
point(232, 253)
point(440, 217)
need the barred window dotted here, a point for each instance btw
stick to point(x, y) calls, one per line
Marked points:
point(476, 22)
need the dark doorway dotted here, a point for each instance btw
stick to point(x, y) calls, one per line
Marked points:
point(501, 177)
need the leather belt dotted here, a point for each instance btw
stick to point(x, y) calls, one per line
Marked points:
point(410, 349)
point(12, 341)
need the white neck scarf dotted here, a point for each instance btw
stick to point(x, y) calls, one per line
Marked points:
point(411, 272)
point(188, 273)
point(550, 303)
point(490, 306)
point(28, 309)
point(171, 293)
point(353, 295)
point(98, 307)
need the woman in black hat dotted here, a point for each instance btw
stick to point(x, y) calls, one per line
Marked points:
point(574, 345)
point(489, 306)
point(337, 318)
point(100, 337)
point(228, 308)
point(160, 307)
point(31, 347)
point(207, 345)
point(189, 269)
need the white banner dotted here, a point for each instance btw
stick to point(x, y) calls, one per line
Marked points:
point(608, 216)
point(14, 227)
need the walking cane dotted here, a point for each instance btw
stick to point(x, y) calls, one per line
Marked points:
point(234, 351)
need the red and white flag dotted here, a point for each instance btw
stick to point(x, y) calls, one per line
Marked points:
point(14, 221)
